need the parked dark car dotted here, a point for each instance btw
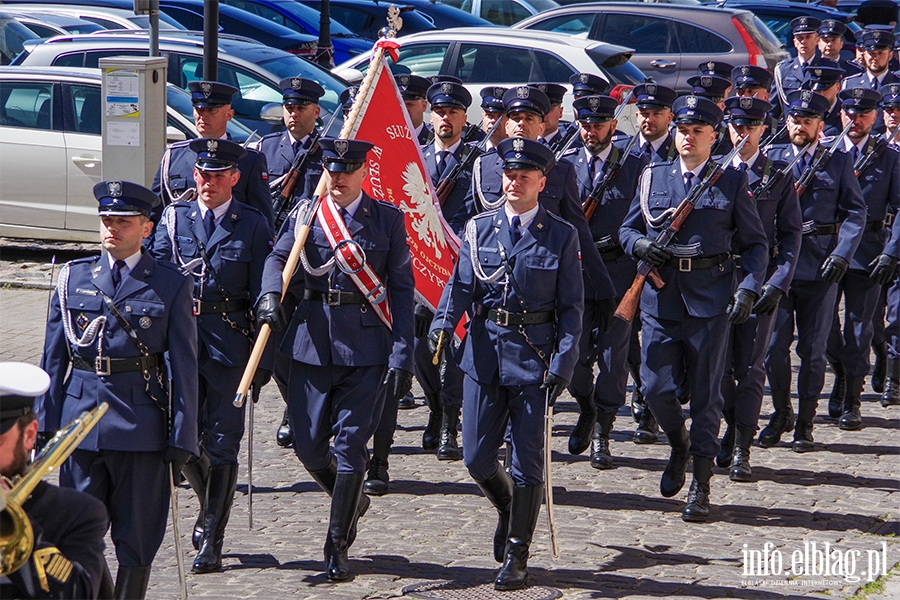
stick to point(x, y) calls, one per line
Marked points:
point(367, 18)
point(304, 19)
point(670, 40)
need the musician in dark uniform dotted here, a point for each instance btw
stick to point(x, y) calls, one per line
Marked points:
point(685, 323)
point(834, 217)
point(824, 79)
point(300, 98)
point(772, 186)
point(654, 115)
point(223, 245)
point(617, 167)
point(111, 321)
point(518, 273)
point(67, 559)
point(788, 74)
point(350, 338)
point(879, 180)
point(831, 42)
point(413, 90)
point(212, 111)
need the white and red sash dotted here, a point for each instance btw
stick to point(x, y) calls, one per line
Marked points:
point(351, 259)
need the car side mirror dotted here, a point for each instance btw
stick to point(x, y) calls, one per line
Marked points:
point(349, 75)
point(272, 112)
point(173, 134)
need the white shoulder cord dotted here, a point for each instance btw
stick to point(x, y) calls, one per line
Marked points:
point(476, 180)
point(187, 195)
point(302, 214)
point(472, 239)
point(91, 331)
point(169, 221)
point(646, 178)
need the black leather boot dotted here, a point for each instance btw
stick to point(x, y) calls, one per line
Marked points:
point(683, 395)
point(325, 478)
point(219, 498)
point(740, 466)
point(284, 437)
point(131, 583)
point(377, 478)
point(647, 431)
point(580, 438)
point(637, 398)
point(803, 438)
point(498, 489)
point(431, 436)
point(601, 457)
point(407, 402)
point(781, 421)
point(891, 395)
point(697, 508)
point(851, 418)
point(726, 446)
point(344, 513)
point(197, 474)
point(838, 392)
point(526, 504)
point(879, 369)
point(449, 448)
point(672, 479)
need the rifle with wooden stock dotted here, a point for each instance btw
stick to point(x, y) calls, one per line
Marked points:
point(629, 304)
point(593, 201)
point(448, 183)
point(819, 162)
point(866, 159)
point(764, 187)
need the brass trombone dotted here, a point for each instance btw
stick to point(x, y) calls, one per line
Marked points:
point(16, 534)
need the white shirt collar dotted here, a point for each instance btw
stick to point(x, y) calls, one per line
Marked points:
point(548, 138)
point(812, 149)
point(351, 208)
point(603, 156)
point(419, 129)
point(218, 212)
point(655, 144)
point(525, 218)
point(451, 149)
point(848, 144)
point(130, 262)
point(737, 160)
point(301, 141)
point(697, 171)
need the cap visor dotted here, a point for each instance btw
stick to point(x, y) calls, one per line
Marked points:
point(513, 165)
point(342, 167)
point(212, 166)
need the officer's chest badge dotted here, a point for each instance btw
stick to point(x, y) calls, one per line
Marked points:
point(82, 321)
point(145, 322)
point(540, 225)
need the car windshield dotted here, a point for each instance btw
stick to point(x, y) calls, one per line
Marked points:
point(311, 16)
point(292, 66)
point(542, 5)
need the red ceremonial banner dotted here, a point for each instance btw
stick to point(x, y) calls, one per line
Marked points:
point(397, 174)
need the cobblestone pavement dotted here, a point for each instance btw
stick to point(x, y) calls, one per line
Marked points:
point(619, 538)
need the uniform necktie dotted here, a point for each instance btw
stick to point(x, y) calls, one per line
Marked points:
point(209, 223)
point(295, 147)
point(688, 181)
point(442, 165)
point(346, 215)
point(514, 234)
point(596, 167)
point(647, 148)
point(804, 162)
point(855, 153)
point(743, 167)
point(117, 273)
point(875, 83)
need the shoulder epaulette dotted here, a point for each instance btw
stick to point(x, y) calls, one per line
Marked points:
point(490, 214)
point(85, 259)
point(571, 151)
point(560, 219)
point(387, 204)
point(181, 144)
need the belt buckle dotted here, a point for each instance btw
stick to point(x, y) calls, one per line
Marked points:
point(99, 363)
point(196, 309)
point(684, 265)
point(501, 317)
point(333, 297)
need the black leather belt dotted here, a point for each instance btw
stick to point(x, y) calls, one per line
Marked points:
point(874, 226)
point(824, 229)
point(609, 252)
point(686, 265)
point(504, 318)
point(202, 307)
point(890, 219)
point(334, 297)
point(103, 365)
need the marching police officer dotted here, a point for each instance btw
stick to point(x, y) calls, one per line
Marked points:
point(300, 98)
point(831, 42)
point(111, 320)
point(789, 75)
point(607, 179)
point(834, 216)
point(413, 90)
point(67, 559)
point(350, 338)
point(212, 111)
point(877, 50)
point(879, 180)
point(824, 79)
point(588, 84)
point(491, 110)
point(755, 82)
point(223, 245)
point(518, 272)
point(772, 186)
point(553, 136)
point(714, 88)
point(884, 271)
point(685, 324)
point(654, 115)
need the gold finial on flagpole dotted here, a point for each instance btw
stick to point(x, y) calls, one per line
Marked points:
point(395, 23)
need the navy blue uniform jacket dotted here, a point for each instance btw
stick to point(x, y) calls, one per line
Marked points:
point(279, 153)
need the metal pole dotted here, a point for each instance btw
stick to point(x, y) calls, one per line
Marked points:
point(154, 30)
point(325, 53)
point(211, 40)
